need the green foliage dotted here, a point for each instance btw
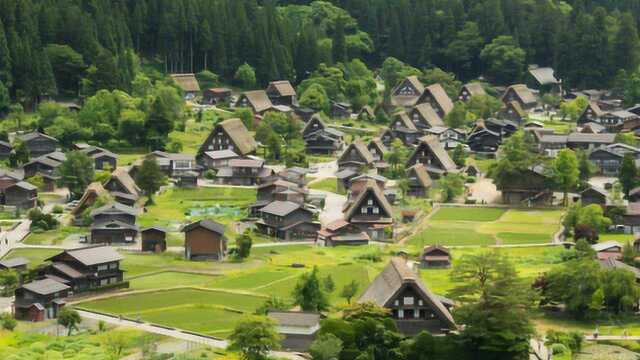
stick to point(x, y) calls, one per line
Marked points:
point(150, 178)
point(243, 246)
point(76, 173)
point(273, 303)
point(246, 115)
point(8, 281)
point(446, 79)
point(326, 347)
point(308, 293)
point(516, 159)
point(628, 174)
point(494, 305)
point(20, 154)
point(565, 172)
point(8, 322)
point(572, 340)
point(451, 186)
point(483, 106)
point(328, 284)
point(397, 156)
point(349, 291)
point(393, 71)
point(5, 100)
point(69, 318)
point(42, 221)
point(626, 138)
point(571, 110)
point(504, 60)
point(459, 156)
point(254, 338)
point(315, 97)
point(590, 215)
point(245, 76)
point(458, 117)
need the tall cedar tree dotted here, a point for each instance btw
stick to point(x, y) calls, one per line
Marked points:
point(628, 175)
point(150, 178)
point(76, 173)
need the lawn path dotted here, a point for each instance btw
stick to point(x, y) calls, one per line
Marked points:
point(423, 225)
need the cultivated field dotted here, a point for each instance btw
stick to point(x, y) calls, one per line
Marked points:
point(488, 226)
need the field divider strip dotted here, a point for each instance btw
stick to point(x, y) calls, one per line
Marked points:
point(276, 281)
point(148, 291)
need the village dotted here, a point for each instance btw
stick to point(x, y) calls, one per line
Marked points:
point(192, 240)
point(319, 179)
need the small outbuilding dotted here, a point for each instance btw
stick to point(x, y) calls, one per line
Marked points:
point(17, 264)
point(204, 240)
point(298, 329)
point(154, 239)
point(435, 256)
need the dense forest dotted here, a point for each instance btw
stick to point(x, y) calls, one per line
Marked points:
point(75, 47)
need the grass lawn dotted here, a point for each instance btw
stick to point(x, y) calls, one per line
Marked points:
point(488, 226)
point(198, 318)
point(328, 184)
point(529, 261)
point(35, 256)
point(468, 214)
point(169, 279)
point(54, 237)
point(129, 158)
point(136, 304)
point(49, 197)
point(174, 203)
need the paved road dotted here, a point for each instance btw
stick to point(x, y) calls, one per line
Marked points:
point(484, 191)
point(333, 204)
point(12, 238)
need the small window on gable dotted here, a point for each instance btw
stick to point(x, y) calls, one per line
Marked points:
point(408, 300)
point(370, 202)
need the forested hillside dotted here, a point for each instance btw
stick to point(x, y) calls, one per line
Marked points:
point(78, 46)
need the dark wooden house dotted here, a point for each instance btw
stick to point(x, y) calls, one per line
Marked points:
point(413, 306)
point(113, 232)
point(435, 256)
point(419, 181)
point(340, 109)
point(469, 90)
point(115, 211)
point(319, 138)
point(614, 120)
point(433, 156)
point(281, 93)
point(256, 100)
point(8, 178)
point(423, 116)
point(298, 329)
point(530, 188)
point(243, 172)
point(407, 92)
point(39, 300)
point(154, 239)
point(215, 96)
point(356, 156)
point(371, 212)
point(188, 84)
point(592, 113)
point(22, 195)
point(522, 95)
point(5, 150)
point(606, 162)
point(38, 143)
point(436, 96)
point(513, 111)
point(204, 240)
point(18, 264)
point(287, 220)
point(218, 158)
point(230, 134)
point(120, 181)
point(404, 129)
point(87, 268)
point(576, 140)
point(340, 232)
point(594, 195)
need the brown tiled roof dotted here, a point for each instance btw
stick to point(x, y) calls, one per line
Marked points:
point(391, 280)
point(283, 87)
point(186, 82)
point(258, 100)
point(245, 143)
point(373, 188)
point(429, 114)
point(441, 97)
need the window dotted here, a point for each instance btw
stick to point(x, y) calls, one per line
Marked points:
point(363, 210)
point(370, 202)
point(420, 303)
point(113, 265)
point(102, 267)
point(396, 303)
point(408, 300)
point(376, 210)
point(400, 314)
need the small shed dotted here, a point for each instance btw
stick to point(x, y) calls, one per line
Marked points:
point(435, 256)
point(298, 329)
point(204, 240)
point(17, 264)
point(154, 239)
point(187, 179)
point(215, 96)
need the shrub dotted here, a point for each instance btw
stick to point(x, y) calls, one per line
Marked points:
point(42, 221)
point(57, 209)
point(558, 349)
point(8, 322)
